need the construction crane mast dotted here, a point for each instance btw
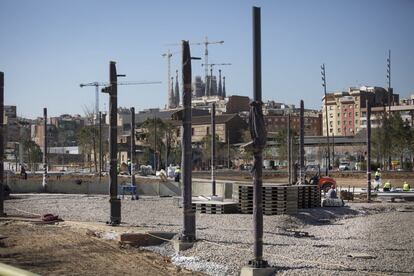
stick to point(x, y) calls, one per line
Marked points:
point(103, 84)
point(169, 55)
point(206, 43)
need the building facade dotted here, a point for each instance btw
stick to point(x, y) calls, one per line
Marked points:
point(344, 109)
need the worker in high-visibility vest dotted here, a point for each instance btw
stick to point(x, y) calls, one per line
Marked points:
point(387, 186)
point(406, 187)
point(378, 174)
point(177, 174)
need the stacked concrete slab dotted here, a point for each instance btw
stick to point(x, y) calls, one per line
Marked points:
point(309, 196)
point(277, 200)
point(215, 207)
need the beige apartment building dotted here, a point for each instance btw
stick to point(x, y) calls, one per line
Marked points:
point(344, 108)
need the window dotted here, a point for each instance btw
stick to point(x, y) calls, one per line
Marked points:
point(192, 131)
point(208, 130)
point(339, 122)
point(356, 114)
point(344, 114)
point(339, 114)
point(330, 130)
point(350, 123)
point(339, 130)
point(356, 122)
point(350, 114)
point(178, 132)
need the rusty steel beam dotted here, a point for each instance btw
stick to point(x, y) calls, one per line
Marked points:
point(115, 203)
point(189, 231)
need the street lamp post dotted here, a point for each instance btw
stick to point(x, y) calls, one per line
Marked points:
point(326, 118)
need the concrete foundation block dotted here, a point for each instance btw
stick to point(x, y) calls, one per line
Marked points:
point(251, 271)
point(181, 246)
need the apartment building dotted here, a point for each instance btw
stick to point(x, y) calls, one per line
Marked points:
point(344, 108)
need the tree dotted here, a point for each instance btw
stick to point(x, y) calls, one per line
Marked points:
point(206, 149)
point(88, 136)
point(32, 152)
point(160, 137)
point(282, 149)
point(394, 138)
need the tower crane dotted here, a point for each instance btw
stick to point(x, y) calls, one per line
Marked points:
point(206, 43)
point(103, 84)
point(215, 64)
point(169, 55)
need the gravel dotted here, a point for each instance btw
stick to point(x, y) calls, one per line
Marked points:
point(358, 239)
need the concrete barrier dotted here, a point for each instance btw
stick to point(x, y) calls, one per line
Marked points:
point(89, 184)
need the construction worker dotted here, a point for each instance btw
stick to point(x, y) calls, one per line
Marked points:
point(387, 186)
point(406, 187)
point(331, 193)
point(177, 174)
point(378, 174)
point(129, 166)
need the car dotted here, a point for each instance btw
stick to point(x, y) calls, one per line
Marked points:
point(344, 166)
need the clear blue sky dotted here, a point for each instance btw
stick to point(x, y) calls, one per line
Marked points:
point(48, 48)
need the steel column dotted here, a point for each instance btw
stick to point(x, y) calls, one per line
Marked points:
point(189, 232)
point(1, 144)
point(155, 145)
point(100, 146)
point(44, 183)
point(213, 148)
point(289, 152)
point(257, 154)
point(132, 146)
point(326, 119)
point(115, 203)
point(302, 143)
point(368, 151)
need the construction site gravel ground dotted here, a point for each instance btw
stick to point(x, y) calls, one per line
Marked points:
point(359, 239)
